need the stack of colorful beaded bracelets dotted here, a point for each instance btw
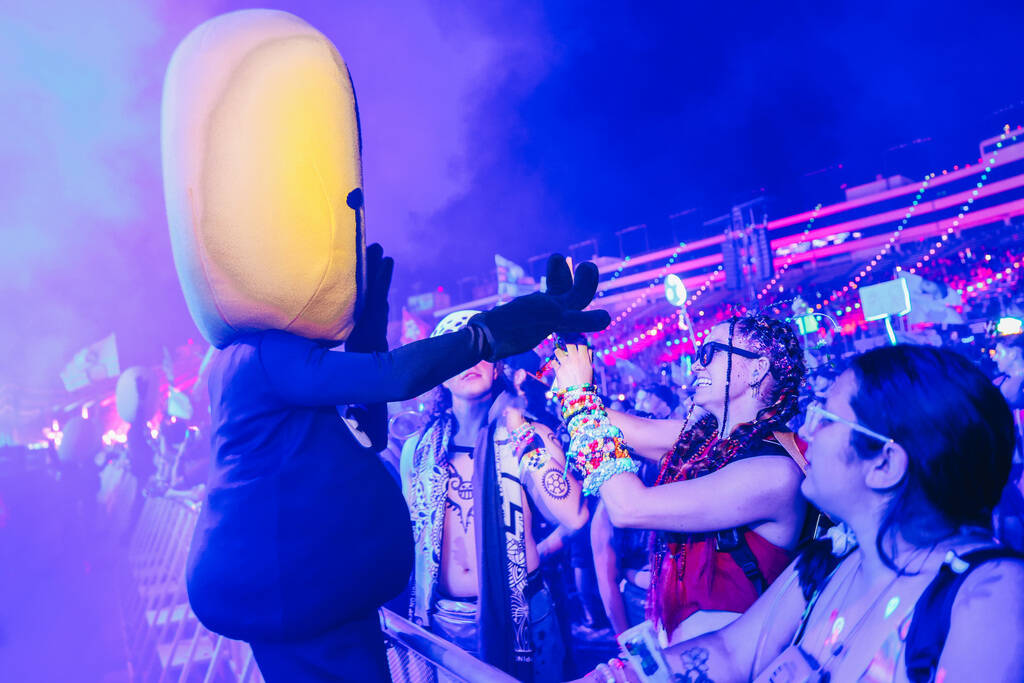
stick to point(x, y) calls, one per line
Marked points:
point(529, 447)
point(596, 446)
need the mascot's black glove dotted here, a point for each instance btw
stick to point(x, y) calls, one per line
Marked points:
point(524, 322)
point(370, 333)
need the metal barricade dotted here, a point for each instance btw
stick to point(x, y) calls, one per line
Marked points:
point(165, 640)
point(417, 656)
point(167, 643)
point(230, 660)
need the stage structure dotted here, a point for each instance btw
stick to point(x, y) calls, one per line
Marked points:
point(746, 255)
point(848, 232)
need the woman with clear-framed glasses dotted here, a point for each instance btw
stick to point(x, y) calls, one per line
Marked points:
point(726, 508)
point(910, 454)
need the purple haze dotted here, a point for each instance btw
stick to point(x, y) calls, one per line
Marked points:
point(86, 246)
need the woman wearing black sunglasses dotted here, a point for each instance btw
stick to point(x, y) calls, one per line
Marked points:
point(727, 506)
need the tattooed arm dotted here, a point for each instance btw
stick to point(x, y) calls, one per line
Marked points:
point(556, 493)
point(702, 660)
point(741, 650)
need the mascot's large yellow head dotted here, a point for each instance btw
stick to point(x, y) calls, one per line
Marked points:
point(263, 180)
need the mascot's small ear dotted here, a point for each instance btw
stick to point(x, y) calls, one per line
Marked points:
point(355, 199)
point(355, 202)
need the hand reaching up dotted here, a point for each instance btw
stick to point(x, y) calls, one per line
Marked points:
point(524, 322)
point(574, 366)
point(371, 330)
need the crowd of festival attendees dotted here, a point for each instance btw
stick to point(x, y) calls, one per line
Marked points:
point(599, 575)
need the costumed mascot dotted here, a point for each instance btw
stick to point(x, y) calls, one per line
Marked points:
point(303, 534)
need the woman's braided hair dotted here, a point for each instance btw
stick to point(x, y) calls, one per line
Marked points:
point(776, 340)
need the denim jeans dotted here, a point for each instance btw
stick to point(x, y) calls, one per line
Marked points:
point(455, 621)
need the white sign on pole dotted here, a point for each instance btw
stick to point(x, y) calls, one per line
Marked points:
point(675, 290)
point(885, 299)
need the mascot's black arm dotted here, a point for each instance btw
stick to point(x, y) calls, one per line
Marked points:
point(305, 373)
point(303, 529)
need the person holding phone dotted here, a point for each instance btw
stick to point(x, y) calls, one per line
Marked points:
point(726, 501)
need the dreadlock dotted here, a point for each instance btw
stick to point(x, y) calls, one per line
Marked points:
point(728, 377)
point(705, 447)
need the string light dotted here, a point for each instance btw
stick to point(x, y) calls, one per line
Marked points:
point(792, 255)
point(981, 284)
point(965, 208)
point(112, 436)
point(886, 247)
point(615, 275)
point(837, 296)
point(836, 302)
point(645, 293)
point(53, 433)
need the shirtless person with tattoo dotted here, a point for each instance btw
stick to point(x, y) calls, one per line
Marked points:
point(473, 480)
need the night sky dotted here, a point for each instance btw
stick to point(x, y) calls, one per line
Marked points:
point(488, 126)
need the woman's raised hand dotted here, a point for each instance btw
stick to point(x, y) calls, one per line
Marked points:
point(574, 366)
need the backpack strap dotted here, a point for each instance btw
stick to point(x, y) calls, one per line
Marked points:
point(734, 542)
point(929, 626)
point(794, 447)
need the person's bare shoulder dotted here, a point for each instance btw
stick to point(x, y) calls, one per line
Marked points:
point(986, 634)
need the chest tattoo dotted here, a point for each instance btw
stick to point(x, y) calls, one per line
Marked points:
point(460, 496)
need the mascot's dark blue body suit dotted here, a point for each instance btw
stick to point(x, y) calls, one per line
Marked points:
point(304, 533)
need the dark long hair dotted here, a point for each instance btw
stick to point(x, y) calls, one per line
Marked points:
point(777, 341)
point(956, 428)
point(441, 400)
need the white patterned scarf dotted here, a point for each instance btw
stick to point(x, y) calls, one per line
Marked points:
point(499, 505)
